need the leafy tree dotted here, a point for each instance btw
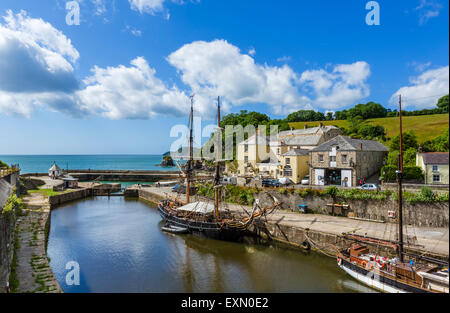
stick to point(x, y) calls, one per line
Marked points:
point(443, 104)
point(329, 116)
point(368, 110)
point(438, 144)
point(409, 141)
point(371, 132)
point(409, 157)
point(3, 165)
point(305, 116)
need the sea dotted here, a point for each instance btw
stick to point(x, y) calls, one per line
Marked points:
point(42, 163)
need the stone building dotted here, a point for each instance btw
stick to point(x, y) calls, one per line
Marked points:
point(435, 167)
point(343, 161)
point(268, 157)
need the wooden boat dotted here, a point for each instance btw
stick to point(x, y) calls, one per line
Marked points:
point(210, 220)
point(393, 275)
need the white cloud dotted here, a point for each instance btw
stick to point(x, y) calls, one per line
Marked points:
point(426, 89)
point(252, 52)
point(36, 64)
point(428, 9)
point(36, 69)
point(147, 6)
point(130, 92)
point(284, 59)
point(419, 67)
point(343, 86)
point(219, 68)
point(133, 31)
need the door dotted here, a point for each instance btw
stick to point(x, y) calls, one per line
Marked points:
point(346, 178)
point(319, 177)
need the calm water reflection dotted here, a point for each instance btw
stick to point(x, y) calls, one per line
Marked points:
point(120, 248)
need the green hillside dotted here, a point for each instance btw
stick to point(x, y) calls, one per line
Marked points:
point(426, 127)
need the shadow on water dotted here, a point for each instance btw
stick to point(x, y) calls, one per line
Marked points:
point(120, 248)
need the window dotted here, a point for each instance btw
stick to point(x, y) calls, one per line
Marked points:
point(278, 151)
point(436, 178)
point(344, 158)
point(320, 157)
point(246, 159)
point(332, 158)
point(435, 168)
point(288, 161)
point(245, 148)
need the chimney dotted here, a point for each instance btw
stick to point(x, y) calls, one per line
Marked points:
point(292, 128)
point(320, 124)
point(420, 149)
point(306, 126)
point(360, 146)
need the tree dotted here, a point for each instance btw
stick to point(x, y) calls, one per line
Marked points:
point(438, 144)
point(368, 110)
point(371, 132)
point(443, 104)
point(329, 116)
point(409, 141)
point(305, 116)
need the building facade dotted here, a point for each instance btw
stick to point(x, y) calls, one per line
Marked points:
point(286, 155)
point(343, 161)
point(435, 167)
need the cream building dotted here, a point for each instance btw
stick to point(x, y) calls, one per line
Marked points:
point(284, 156)
point(435, 167)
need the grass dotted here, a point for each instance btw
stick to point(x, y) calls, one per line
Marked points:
point(46, 192)
point(426, 127)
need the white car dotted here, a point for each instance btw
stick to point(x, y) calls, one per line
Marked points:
point(305, 180)
point(370, 187)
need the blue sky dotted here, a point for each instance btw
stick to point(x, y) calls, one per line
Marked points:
point(119, 81)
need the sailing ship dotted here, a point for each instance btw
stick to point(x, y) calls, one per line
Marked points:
point(204, 218)
point(393, 275)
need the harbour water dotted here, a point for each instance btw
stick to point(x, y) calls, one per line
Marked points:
point(120, 247)
point(41, 163)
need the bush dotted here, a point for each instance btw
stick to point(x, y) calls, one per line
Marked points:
point(409, 172)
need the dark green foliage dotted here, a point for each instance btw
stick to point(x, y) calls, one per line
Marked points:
point(409, 141)
point(438, 144)
point(305, 116)
point(3, 165)
point(409, 173)
point(368, 110)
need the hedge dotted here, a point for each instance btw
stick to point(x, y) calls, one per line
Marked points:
point(409, 172)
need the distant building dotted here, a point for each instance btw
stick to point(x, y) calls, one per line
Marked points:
point(343, 161)
point(295, 164)
point(435, 167)
point(286, 154)
point(55, 171)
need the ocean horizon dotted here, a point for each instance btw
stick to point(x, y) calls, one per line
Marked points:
point(40, 163)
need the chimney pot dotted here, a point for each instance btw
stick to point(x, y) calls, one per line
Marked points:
point(420, 149)
point(306, 126)
point(360, 146)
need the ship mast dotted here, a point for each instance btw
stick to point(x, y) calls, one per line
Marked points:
point(399, 183)
point(218, 156)
point(189, 168)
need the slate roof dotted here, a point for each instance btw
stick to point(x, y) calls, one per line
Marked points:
point(435, 157)
point(296, 152)
point(311, 140)
point(307, 131)
point(348, 144)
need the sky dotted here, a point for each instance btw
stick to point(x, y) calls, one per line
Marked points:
point(120, 79)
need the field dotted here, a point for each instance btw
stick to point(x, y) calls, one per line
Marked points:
point(426, 127)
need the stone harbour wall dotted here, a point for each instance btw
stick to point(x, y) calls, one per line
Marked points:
point(418, 214)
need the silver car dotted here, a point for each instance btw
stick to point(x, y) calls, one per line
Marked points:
point(370, 187)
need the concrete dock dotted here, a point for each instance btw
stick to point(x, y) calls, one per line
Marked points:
point(288, 225)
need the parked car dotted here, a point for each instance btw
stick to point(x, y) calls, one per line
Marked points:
point(305, 180)
point(370, 187)
point(229, 181)
point(270, 183)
